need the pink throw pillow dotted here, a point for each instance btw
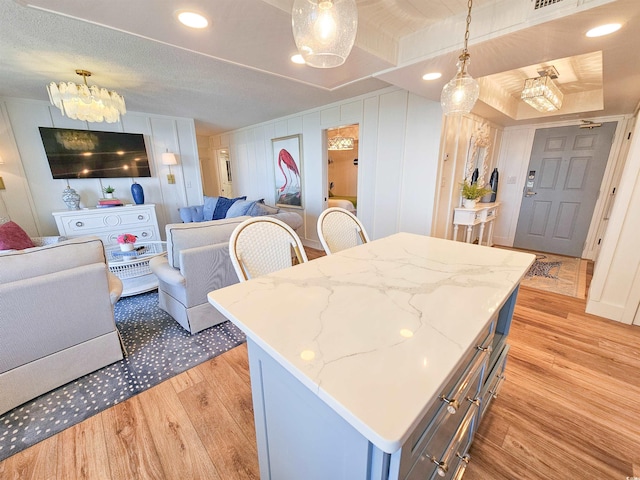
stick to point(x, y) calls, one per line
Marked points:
point(12, 237)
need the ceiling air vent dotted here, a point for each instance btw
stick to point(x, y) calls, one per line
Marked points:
point(545, 3)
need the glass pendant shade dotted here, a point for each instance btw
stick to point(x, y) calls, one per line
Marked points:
point(340, 143)
point(542, 94)
point(324, 30)
point(81, 102)
point(461, 93)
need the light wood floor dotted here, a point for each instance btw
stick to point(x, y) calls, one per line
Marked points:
point(569, 409)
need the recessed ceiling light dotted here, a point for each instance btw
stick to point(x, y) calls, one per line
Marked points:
point(298, 59)
point(193, 20)
point(604, 30)
point(431, 76)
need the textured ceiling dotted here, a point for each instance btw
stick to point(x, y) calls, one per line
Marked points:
point(238, 72)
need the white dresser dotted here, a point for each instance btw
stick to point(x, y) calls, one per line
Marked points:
point(108, 223)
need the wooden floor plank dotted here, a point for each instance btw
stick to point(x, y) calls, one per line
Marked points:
point(34, 463)
point(129, 442)
point(234, 455)
point(82, 452)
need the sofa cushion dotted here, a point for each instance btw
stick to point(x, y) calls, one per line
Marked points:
point(258, 209)
point(222, 206)
point(192, 214)
point(208, 208)
point(239, 208)
point(12, 237)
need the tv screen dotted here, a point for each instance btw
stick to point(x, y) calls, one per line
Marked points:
point(91, 154)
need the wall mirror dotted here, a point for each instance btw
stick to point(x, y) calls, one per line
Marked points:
point(478, 155)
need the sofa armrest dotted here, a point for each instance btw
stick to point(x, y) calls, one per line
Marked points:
point(115, 288)
point(165, 272)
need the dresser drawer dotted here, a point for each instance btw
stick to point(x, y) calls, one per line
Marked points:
point(446, 412)
point(87, 224)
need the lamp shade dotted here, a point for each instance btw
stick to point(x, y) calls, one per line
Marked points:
point(324, 30)
point(169, 158)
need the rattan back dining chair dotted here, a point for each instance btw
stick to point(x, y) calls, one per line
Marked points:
point(339, 229)
point(261, 245)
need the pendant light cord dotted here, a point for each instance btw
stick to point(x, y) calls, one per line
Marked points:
point(465, 53)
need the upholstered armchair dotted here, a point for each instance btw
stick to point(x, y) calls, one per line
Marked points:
point(56, 317)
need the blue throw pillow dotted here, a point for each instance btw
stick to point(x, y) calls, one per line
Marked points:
point(209, 207)
point(239, 208)
point(258, 209)
point(191, 214)
point(223, 205)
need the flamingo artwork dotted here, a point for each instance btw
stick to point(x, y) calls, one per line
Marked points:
point(289, 192)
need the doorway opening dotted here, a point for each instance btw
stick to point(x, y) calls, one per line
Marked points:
point(342, 170)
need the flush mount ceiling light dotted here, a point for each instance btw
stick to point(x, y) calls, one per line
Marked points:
point(81, 102)
point(432, 76)
point(297, 58)
point(541, 93)
point(324, 30)
point(192, 19)
point(461, 93)
point(603, 30)
point(340, 143)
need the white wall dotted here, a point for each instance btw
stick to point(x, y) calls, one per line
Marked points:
point(397, 160)
point(615, 287)
point(31, 193)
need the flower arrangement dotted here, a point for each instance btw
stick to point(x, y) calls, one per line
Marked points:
point(127, 238)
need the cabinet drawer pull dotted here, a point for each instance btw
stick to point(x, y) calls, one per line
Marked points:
point(79, 224)
point(140, 217)
point(487, 349)
point(452, 404)
point(494, 392)
point(443, 465)
point(144, 234)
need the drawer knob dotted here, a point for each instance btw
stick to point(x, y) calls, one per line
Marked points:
point(442, 467)
point(140, 217)
point(452, 405)
point(145, 234)
point(79, 224)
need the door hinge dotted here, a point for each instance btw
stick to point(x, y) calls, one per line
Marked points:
point(599, 240)
point(629, 136)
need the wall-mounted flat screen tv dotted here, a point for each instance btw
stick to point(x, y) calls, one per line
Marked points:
point(91, 154)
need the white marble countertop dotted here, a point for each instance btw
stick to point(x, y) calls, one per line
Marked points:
point(375, 330)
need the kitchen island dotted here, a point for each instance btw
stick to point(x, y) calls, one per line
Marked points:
point(376, 362)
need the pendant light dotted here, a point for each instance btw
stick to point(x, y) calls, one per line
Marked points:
point(324, 30)
point(461, 93)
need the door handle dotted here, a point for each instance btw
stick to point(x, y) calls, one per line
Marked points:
point(530, 194)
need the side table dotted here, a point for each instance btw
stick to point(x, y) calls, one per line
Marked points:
point(133, 267)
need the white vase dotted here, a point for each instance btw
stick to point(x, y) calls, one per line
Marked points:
point(469, 203)
point(108, 195)
point(126, 247)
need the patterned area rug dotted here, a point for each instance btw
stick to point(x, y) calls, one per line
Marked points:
point(158, 348)
point(558, 274)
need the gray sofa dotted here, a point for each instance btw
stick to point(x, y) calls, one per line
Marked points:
point(56, 317)
point(197, 263)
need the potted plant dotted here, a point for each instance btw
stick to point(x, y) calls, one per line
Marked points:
point(108, 191)
point(472, 192)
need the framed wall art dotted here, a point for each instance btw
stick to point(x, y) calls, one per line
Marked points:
point(287, 164)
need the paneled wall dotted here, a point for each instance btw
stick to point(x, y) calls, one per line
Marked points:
point(397, 160)
point(31, 193)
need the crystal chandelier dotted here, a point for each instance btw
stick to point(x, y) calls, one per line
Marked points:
point(324, 30)
point(340, 143)
point(541, 93)
point(81, 102)
point(74, 140)
point(461, 93)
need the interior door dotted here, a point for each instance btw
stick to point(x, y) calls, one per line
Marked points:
point(562, 187)
point(224, 170)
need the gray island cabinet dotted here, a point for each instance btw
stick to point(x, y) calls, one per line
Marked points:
point(377, 362)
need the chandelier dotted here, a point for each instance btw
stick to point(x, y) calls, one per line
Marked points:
point(461, 93)
point(74, 140)
point(81, 102)
point(340, 143)
point(541, 93)
point(324, 30)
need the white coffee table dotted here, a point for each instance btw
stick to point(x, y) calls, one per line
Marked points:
point(133, 267)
